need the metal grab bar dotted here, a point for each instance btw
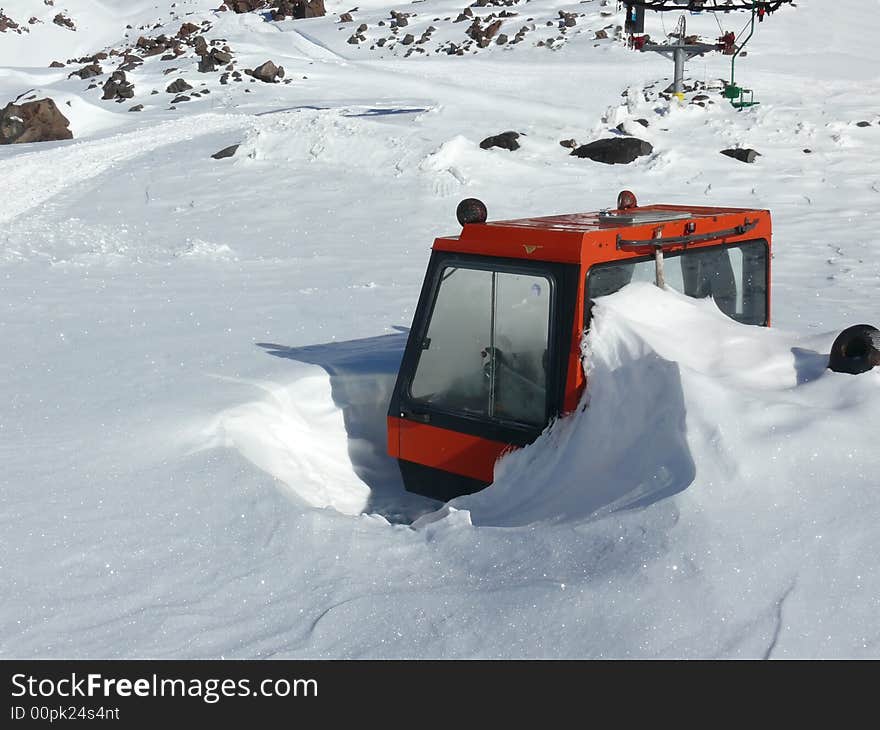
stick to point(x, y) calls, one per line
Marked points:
point(660, 243)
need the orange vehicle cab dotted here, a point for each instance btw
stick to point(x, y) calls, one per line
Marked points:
point(494, 352)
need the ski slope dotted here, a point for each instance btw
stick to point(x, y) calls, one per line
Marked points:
point(198, 353)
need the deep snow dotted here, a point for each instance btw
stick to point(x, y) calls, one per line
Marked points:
point(198, 354)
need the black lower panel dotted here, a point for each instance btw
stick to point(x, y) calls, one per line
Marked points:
point(436, 483)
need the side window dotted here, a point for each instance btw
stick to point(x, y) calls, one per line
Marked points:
point(485, 349)
point(734, 276)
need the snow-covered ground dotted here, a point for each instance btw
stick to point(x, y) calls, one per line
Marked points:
point(198, 353)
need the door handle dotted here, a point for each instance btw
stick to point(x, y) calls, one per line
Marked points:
point(419, 416)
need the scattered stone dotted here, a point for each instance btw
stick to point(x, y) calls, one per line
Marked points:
point(614, 151)
point(268, 72)
point(408, 39)
point(742, 154)
point(601, 35)
point(137, 108)
point(225, 152)
point(56, 64)
point(87, 72)
point(117, 87)
point(200, 45)
point(501, 40)
point(63, 21)
point(244, 6)
point(35, 121)
point(187, 29)
point(298, 9)
point(568, 143)
point(181, 98)
point(863, 124)
point(346, 18)
point(7, 23)
point(177, 87)
point(505, 140)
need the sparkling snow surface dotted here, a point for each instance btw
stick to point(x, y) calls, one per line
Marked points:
point(198, 354)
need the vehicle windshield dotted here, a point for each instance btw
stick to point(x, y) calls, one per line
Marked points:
point(485, 349)
point(734, 276)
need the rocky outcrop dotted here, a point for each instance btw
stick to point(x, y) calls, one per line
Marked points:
point(7, 23)
point(33, 121)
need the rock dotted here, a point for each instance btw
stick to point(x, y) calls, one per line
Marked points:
point(346, 18)
point(87, 72)
point(221, 57)
point(408, 39)
point(225, 152)
point(863, 124)
point(187, 29)
point(614, 151)
point(643, 122)
point(206, 64)
point(178, 86)
point(505, 140)
point(601, 35)
point(63, 21)
point(179, 99)
point(7, 23)
point(568, 143)
point(137, 108)
point(34, 121)
point(307, 9)
point(244, 6)
point(742, 154)
point(268, 72)
point(117, 87)
point(57, 64)
point(201, 45)
point(501, 40)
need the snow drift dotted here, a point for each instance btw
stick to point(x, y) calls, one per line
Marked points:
point(683, 398)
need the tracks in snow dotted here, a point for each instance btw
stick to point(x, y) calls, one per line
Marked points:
point(31, 179)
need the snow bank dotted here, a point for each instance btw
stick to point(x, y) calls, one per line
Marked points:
point(297, 434)
point(746, 420)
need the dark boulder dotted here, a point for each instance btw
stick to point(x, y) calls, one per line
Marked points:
point(268, 72)
point(177, 87)
point(117, 87)
point(225, 152)
point(742, 154)
point(505, 140)
point(34, 121)
point(63, 21)
point(87, 72)
point(614, 151)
